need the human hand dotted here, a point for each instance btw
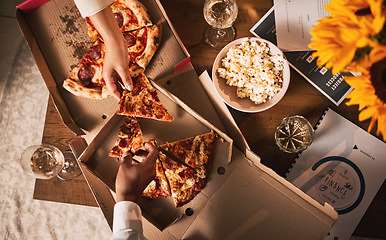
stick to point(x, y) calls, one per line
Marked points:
point(116, 62)
point(133, 177)
point(116, 66)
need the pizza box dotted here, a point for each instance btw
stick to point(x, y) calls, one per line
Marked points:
point(187, 123)
point(57, 37)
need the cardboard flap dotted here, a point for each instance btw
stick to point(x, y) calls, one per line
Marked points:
point(222, 110)
point(30, 5)
point(46, 74)
point(254, 204)
point(100, 191)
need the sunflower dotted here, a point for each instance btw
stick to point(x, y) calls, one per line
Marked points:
point(370, 94)
point(337, 42)
point(346, 36)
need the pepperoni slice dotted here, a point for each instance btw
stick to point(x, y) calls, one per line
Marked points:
point(124, 142)
point(94, 53)
point(119, 19)
point(85, 74)
point(130, 39)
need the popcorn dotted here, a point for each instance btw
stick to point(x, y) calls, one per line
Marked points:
point(256, 74)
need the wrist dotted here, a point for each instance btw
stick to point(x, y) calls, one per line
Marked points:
point(126, 197)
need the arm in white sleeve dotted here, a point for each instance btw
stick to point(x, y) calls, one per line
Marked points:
point(127, 223)
point(90, 7)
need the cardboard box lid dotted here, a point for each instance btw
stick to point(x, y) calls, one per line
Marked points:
point(254, 203)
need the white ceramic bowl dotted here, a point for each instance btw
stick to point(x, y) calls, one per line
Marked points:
point(228, 93)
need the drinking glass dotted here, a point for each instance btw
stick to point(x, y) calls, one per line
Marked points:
point(46, 161)
point(220, 15)
point(294, 134)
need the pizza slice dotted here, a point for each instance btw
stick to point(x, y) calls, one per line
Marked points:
point(86, 78)
point(129, 138)
point(129, 14)
point(159, 186)
point(197, 152)
point(183, 181)
point(143, 43)
point(143, 101)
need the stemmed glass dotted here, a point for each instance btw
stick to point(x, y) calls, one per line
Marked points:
point(220, 15)
point(46, 161)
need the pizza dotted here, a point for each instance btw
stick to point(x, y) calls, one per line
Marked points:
point(183, 183)
point(197, 152)
point(86, 78)
point(142, 39)
point(143, 101)
point(129, 138)
point(129, 14)
point(142, 44)
point(159, 186)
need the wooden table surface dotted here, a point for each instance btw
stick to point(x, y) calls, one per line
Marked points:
point(258, 128)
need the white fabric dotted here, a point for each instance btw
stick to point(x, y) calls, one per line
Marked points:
point(90, 7)
point(127, 223)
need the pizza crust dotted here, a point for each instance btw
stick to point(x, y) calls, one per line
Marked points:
point(80, 90)
point(154, 34)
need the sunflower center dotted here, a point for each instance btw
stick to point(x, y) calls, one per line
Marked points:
point(363, 11)
point(378, 78)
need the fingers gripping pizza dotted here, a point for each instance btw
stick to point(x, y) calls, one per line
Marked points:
point(142, 39)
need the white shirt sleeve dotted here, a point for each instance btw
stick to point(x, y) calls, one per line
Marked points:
point(90, 7)
point(127, 222)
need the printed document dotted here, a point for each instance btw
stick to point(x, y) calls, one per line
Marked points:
point(294, 20)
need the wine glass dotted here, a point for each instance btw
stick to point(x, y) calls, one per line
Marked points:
point(220, 15)
point(294, 134)
point(46, 161)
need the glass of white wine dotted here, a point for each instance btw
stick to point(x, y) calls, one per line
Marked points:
point(46, 161)
point(220, 15)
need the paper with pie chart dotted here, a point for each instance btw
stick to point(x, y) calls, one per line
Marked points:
point(345, 166)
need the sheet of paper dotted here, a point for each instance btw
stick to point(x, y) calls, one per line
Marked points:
point(345, 166)
point(294, 20)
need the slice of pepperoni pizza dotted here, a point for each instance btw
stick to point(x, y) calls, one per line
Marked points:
point(184, 182)
point(129, 14)
point(195, 151)
point(159, 186)
point(143, 101)
point(143, 43)
point(86, 78)
point(129, 138)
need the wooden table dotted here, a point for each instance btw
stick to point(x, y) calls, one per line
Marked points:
point(258, 128)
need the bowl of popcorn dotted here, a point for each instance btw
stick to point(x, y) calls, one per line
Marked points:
point(251, 74)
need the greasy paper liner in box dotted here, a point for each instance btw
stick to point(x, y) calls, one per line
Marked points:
point(57, 36)
point(187, 123)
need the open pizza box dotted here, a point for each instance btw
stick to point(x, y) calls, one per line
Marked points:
point(243, 199)
point(57, 37)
